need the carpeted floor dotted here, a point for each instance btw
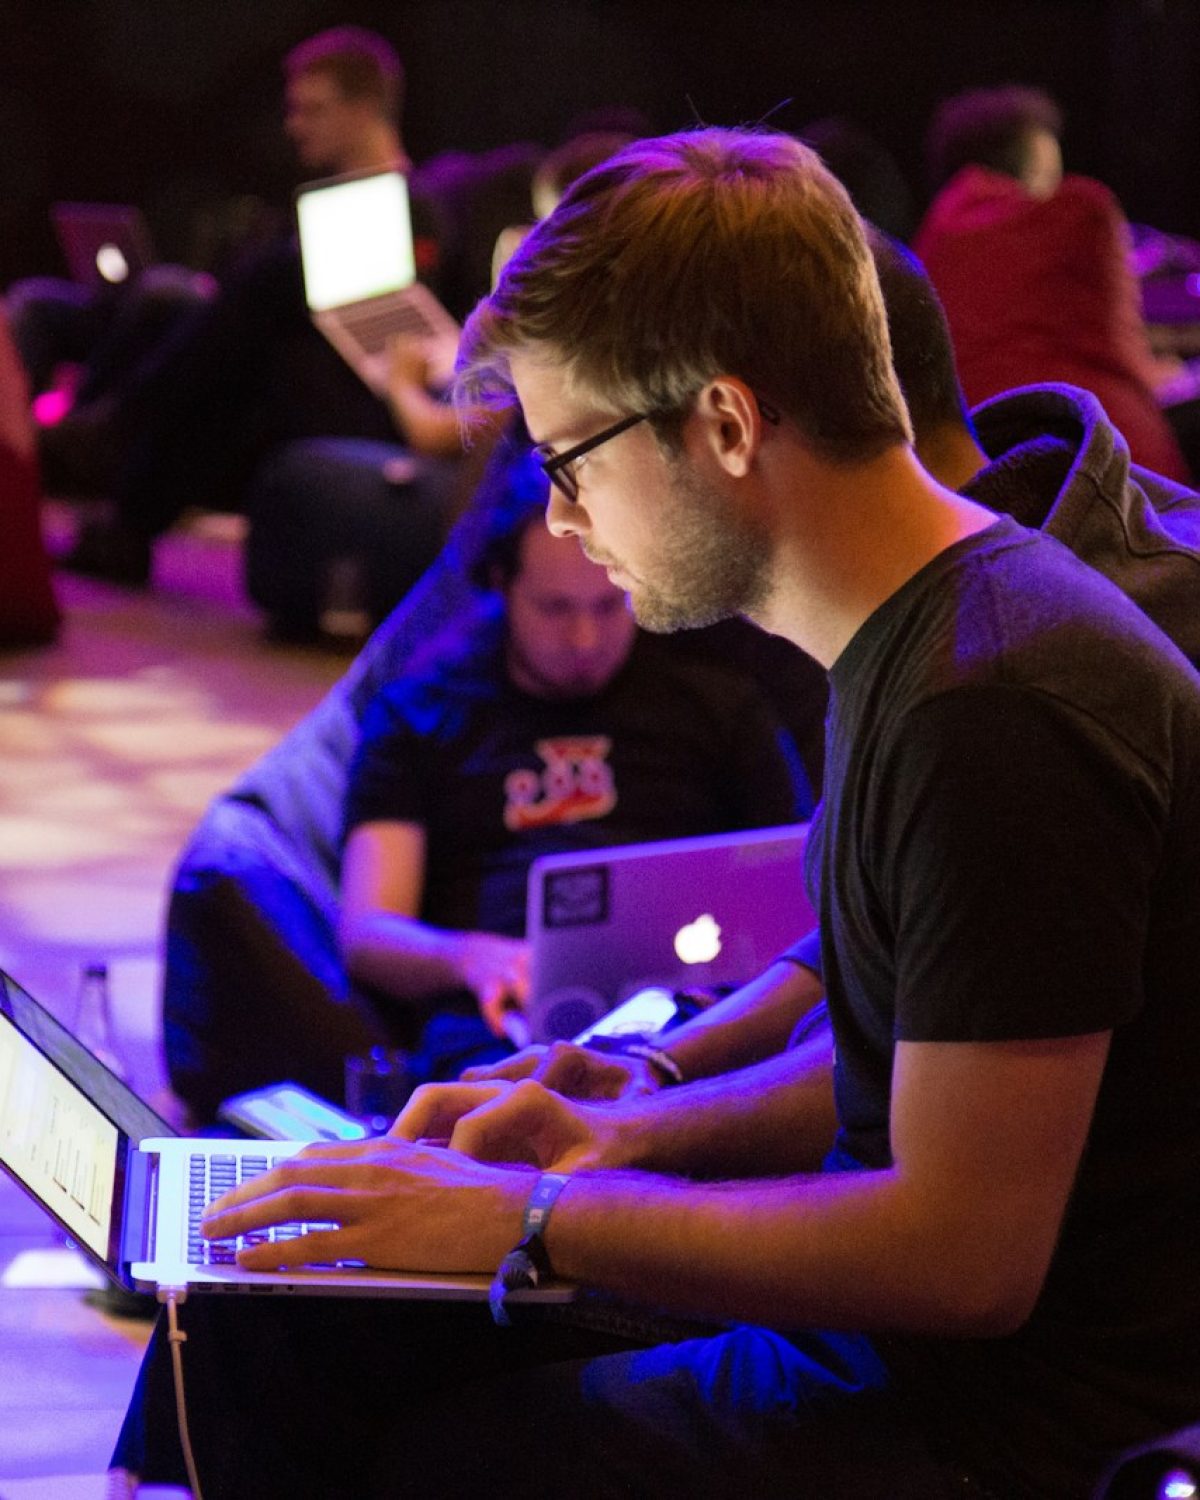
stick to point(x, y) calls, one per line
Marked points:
point(111, 743)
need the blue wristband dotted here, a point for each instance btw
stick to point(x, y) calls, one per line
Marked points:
point(527, 1264)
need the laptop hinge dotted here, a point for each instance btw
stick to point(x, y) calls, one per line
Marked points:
point(141, 1202)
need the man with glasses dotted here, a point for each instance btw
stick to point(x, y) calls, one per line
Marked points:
point(987, 1194)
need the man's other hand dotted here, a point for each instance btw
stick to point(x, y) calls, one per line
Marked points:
point(519, 1123)
point(576, 1072)
point(497, 969)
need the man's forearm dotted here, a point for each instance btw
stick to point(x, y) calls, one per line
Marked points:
point(839, 1251)
point(954, 1238)
point(773, 1118)
point(402, 956)
point(750, 1025)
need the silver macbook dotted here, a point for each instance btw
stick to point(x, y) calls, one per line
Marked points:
point(102, 243)
point(130, 1193)
point(702, 911)
point(360, 270)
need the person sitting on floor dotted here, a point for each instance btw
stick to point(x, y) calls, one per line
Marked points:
point(536, 719)
point(548, 722)
point(1033, 267)
point(249, 372)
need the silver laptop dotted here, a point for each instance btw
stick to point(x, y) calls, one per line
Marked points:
point(702, 911)
point(130, 1193)
point(360, 270)
point(102, 243)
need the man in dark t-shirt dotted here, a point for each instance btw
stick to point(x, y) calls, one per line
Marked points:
point(986, 1195)
point(1030, 882)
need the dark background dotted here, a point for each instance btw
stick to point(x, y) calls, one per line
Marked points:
point(176, 103)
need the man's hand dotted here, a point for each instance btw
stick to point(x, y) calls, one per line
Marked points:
point(397, 1206)
point(497, 969)
point(576, 1072)
point(514, 1123)
point(408, 356)
point(421, 362)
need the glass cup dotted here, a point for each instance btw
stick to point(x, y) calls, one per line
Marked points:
point(377, 1086)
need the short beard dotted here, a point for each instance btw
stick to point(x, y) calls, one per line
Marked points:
point(716, 565)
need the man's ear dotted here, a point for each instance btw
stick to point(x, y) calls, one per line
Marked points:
point(733, 424)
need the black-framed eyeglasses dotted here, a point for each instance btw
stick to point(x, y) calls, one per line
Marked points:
point(559, 468)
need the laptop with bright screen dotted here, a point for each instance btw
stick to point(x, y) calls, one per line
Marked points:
point(360, 271)
point(129, 1192)
point(711, 911)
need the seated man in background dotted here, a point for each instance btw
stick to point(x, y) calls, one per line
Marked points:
point(547, 722)
point(1033, 267)
point(254, 986)
point(249, 373)
point(314, 501)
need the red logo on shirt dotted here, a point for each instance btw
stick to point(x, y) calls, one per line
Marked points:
point(576, 784)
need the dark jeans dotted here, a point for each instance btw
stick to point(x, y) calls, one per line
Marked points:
point(340, 1397)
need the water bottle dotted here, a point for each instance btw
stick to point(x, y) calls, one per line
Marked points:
point(93, 1018)
point(344, 616)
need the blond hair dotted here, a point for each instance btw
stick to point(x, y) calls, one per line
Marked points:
point(695, 255)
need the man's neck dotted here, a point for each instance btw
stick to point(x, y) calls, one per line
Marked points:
point(951, 454)
point(379, 149)
point(849, 538)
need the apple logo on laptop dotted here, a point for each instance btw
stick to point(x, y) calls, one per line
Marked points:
point(111, 263)
point(699, 942)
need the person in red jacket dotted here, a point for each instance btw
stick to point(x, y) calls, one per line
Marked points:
point(1032, 267)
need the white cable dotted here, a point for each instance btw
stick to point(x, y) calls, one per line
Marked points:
point(177, 1338)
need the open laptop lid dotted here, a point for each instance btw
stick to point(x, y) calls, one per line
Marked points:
point(605, 923)
point(102, 243)
point(67, 1127)
point(356, 238)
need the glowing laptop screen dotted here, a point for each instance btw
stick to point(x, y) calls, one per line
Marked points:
point(55, 1140)
point(356, 240)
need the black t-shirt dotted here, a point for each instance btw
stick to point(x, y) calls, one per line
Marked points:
point(1010, 848)
point(669, 749)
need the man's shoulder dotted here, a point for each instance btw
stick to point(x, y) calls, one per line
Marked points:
point(436, 699)
point(1017, 607)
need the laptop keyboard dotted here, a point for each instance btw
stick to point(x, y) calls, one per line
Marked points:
point(374, 327)
point(208, 1178)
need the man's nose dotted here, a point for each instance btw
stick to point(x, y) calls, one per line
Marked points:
point(563, 517)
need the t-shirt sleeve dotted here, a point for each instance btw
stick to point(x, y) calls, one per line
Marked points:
point(387, 781)
point(806, 952)
point(1020, 845)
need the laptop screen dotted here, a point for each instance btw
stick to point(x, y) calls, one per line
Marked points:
point(66, 1122)
point(56, 1142)
point(356, 239)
